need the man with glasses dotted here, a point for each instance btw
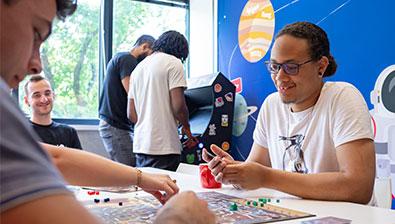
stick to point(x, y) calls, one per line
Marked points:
point(313, 139)
point(39, 96)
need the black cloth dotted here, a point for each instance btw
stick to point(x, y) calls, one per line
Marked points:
point(58, 134)
point(114, 99)
point(166, 162)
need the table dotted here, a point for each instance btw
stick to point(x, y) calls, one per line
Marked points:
point(360, 214)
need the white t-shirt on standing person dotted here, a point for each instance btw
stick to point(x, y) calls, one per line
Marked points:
point(155, 132)
point(339, 116)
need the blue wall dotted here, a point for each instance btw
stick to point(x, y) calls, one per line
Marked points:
point(361, 33)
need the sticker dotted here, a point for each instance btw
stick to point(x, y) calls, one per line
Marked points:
point(211, 130)
point(190, 158)
point(224, 120)
point(225, 146)
point(239, 84)
point(200, 145)
point(229, 97)
point(217, 88)
point(219, 102)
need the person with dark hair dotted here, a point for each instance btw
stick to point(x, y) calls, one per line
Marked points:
point(115, 128)
point(157, 102)
point(31, 189)
point(39, 96)
point(313, 139)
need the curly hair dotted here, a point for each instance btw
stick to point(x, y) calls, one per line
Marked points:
point(317, 40)
point(64, 8)
point(173, 43)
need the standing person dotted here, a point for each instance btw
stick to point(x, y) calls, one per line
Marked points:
point(39, 96)
point(313, 139)
point(115, 128)
point(30, 185)
point(157, 102)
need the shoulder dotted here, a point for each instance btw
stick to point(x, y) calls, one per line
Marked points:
point(340, 91)
point(62, 126)
point(170, 60)
point(271, 101)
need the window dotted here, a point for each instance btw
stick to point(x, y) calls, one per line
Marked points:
point(134, 18)
point(70, 63)
point(70, 57)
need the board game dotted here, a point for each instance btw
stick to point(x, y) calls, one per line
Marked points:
point(228, 209)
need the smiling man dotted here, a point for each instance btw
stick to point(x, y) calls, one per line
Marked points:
point(39, 96)
point(313, 139)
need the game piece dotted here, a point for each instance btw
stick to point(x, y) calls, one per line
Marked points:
point(255, 203)
point(268, 200)
point(233, 207)
point(278, 200)
point(96, 200)
point(120, 203)
point(91, 192)
point(97, 193)
point(106, 199)
point(248, 203)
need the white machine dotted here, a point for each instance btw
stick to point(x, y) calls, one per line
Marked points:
point(383, 117)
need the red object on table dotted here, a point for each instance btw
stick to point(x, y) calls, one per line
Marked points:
point(206, 178)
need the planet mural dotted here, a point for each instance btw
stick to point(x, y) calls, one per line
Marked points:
point(240, 116)
point(256, 29)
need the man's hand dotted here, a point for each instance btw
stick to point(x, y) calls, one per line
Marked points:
point(155, 183)
point(185, 207)
point(219, 162)
point(246, 175)
point(192, 140)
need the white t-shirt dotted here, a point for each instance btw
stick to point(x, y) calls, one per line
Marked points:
point(155, 132)
point(339, 116)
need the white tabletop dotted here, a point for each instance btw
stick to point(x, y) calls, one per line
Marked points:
point(357, 213)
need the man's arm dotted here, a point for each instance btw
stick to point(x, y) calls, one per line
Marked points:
point(132, 114)
point(125, 83)
point(354, 181)
point(179, 106)
point(87, 169)
point(260, 155)
point(64, 208)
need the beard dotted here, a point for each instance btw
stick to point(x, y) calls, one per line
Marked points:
point(141, 57)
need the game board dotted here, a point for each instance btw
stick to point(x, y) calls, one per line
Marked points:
point(142, 209)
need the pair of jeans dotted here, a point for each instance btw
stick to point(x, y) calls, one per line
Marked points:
point(118, 143)
point(166, 162)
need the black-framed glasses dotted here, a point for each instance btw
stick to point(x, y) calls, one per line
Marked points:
point(289, 68)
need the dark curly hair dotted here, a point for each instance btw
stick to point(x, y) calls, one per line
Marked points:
point(64, 8)
point(173, 43)
point(317, 40)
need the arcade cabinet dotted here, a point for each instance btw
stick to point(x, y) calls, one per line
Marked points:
point(210, 101)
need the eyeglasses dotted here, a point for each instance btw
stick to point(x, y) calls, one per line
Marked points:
point(296, 161)
point(289, 68)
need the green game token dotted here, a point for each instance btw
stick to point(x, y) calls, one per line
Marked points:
point(262, 204)
point(248, 203)
point(269, 200)
point(255, 203)
point(233, 207)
